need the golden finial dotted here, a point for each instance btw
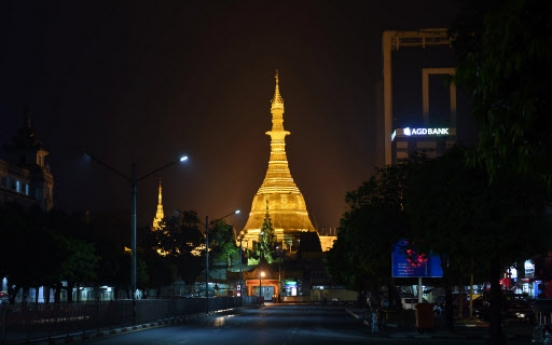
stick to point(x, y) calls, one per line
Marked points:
point(277, 101)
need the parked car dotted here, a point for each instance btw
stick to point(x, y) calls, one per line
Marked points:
point(518, 309)
point(481, 307)
point(513, 309)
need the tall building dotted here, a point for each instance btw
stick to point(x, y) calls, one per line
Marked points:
point(25, 175)
point(278, 195)
point(420, 104)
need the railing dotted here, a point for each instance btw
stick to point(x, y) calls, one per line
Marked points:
point(25, 322)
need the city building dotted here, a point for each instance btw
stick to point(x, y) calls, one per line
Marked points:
point(25, 175)
point(422, 109)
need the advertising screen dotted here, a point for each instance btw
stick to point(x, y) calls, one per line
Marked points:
point(407, 263)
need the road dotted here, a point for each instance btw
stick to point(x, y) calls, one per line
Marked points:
point(271, 325)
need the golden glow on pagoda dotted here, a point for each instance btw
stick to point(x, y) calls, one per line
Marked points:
point(159, 214)
point(278, 192)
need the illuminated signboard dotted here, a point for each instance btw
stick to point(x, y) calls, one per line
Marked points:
point(406, 263)
point(425, 131)
point(422, 132)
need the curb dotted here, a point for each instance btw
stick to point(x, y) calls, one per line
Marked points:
point(74, 338)
point(102, 333)
point(401, 332)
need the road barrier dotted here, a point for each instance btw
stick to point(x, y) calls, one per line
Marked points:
point(27, 322)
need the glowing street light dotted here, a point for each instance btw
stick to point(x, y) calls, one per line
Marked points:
point(134, 181)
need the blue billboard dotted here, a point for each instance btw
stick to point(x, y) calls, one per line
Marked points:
point(407, 263)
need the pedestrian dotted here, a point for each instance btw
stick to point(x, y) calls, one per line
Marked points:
point(375, 328)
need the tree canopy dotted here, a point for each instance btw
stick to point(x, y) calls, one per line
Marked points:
point(504, 53)
point(368, 231)
point(179, 240)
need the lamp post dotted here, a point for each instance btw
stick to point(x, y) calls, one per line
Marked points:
point(134, 182)
point(241, 267)
point(207, 255)
point(241, 271)
point(279, 251)
point(261, 270)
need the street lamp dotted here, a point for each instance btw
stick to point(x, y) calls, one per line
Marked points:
point(134, 181)
point(241, 267)
point(279, 252)
point(241, 271)
point(261, 270)
point(207, 254)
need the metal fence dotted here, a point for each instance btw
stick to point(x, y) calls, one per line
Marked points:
point(25, 322)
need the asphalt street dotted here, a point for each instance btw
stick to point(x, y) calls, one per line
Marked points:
point(284, 324)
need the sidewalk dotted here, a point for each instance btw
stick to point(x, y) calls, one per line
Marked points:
point(462, 330)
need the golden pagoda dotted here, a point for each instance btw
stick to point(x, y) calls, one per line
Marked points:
point(159, 214)
point(278, 195)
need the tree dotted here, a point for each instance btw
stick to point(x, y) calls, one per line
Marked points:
point(159, 269)
point(113, 265)
point(222, 242)
point(505, 65)
point(439, 206)
point(76, 261)
point(55, 238)
point(504, 50)
point(22, 229)
point(474, 227)
point(179, 240)
point(368, 231)
point(308, 242)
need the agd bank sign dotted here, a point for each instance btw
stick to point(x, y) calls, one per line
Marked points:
point(425, 131)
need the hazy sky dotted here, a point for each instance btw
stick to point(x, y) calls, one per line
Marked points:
point(147, 81)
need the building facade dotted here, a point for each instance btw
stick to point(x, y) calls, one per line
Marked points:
point(25, 175)
point(422, 109)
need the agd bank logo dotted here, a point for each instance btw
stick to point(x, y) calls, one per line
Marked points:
point(425, 131)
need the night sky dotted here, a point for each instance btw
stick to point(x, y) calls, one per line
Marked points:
point(147, 81)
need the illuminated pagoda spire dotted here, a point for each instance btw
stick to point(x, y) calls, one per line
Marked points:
point(159, 214)
point(278, 191)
